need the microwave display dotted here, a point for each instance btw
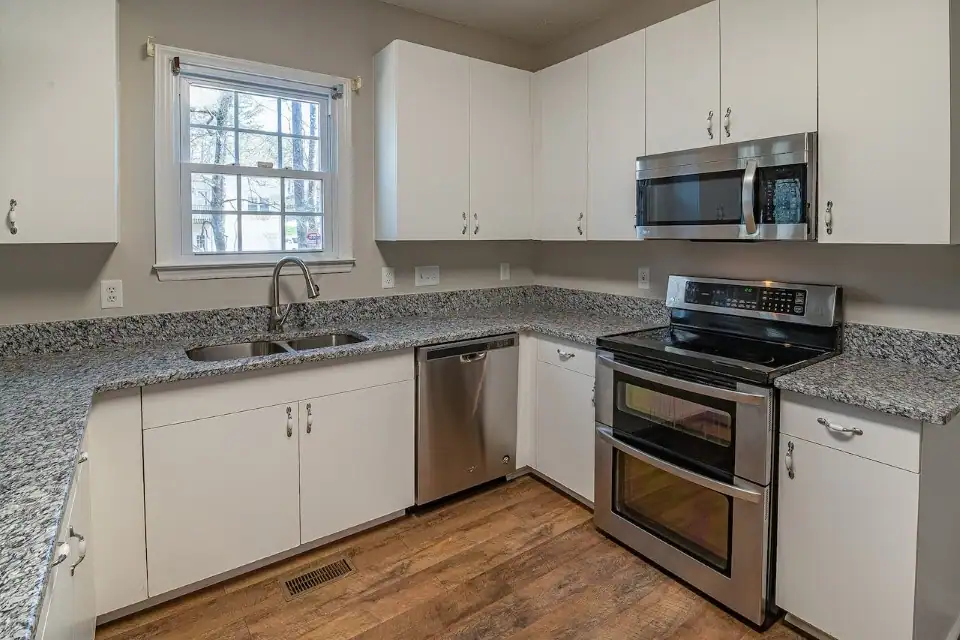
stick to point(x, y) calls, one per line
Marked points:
point(782, 198)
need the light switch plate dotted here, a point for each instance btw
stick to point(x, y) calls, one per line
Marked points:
point(111, 294)
point(388, 278)
point(643, 278)
point(427, 276)
point(504, 270)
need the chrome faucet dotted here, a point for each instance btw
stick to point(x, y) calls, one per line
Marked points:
point(278, 317)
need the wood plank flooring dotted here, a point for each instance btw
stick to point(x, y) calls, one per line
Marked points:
point(518, 561)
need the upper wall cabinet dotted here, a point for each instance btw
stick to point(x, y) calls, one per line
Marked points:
point(768, 68)
point(453, 147)
point(561, 156)
point(885, 122)
point(617, 136)
point(58, 121)
point(683, 81)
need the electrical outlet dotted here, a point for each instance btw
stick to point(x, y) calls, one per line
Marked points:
point(388, 278)
point(427, 276)
point(111, 294)
point(504, 270)
point(643, 278)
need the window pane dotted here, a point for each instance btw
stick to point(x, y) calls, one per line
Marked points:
point(257, 112)
point(213, 192)
point(301, 118)
point(259, 194)
point(303, 196)
point(212, 146)
point(301, 154)
point(261, 233)
point(304, 233)
point(212, 107)
point(255, 148)
point(214, 232)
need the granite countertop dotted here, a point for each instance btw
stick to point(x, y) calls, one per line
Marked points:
point(45, 399)
point(910, 390)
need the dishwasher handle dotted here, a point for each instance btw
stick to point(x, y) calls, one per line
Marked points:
point(473, 357)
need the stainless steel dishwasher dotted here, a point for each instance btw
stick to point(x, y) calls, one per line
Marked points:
point(466, 414)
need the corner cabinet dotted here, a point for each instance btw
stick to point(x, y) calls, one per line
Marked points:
point(58, 122)
point(453, 147)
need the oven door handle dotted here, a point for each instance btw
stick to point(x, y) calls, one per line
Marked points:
point(685, 385)
point(738, 493)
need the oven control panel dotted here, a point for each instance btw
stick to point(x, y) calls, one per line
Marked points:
point(749, 298)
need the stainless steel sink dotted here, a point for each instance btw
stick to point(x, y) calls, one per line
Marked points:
point(265, 348)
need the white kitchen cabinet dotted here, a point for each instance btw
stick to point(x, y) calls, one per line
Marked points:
point(562, 152)
point(84, 597)
point(617, 136)
point(768, 68)
point(357, 455)
point(58, 121)
point(221, 493)
point(501, 153)
point(683, 81)
point(565, 438)
point(422, 119)
point(847, 543)
point(885, 132)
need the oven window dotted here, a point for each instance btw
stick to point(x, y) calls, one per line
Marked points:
point(687, 416)
point(686, 515)
point(708, 198)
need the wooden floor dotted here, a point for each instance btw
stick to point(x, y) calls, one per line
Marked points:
point(517, 561)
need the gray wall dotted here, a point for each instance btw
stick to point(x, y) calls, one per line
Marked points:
point(331, 36)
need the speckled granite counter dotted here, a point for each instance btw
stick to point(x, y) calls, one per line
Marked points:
point(44, 401)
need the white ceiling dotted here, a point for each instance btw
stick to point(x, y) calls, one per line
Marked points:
point(533, 21)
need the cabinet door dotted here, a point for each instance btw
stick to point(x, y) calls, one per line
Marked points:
point(768, 72)
point(847, 542)
point(565, 428)
point(433, 143)
point(220, 493)
point(501, 153)
point(84, 590)
point(884, 141)
point(57, 620)
point(683, 81)
point(356, 458)
point(562, 156)
point(617, 129)
point(58, 121)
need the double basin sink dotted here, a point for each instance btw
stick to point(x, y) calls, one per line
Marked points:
point(268, 348)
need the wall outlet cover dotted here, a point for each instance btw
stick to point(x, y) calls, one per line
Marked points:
point(388, 278)
point(643, 278)
point(427, 276)
point(111, 294)
point(504, 270)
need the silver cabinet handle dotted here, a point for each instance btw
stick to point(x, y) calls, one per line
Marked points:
point(476, 220)
point(748, 199)
point(580, 224)
point(836, 428)
point(565, 355)
point(289, 422)
point(309, 418)
point(12, 217)
point(465, 225)
point(82, 548)
point(828, 218)
point(726, 121)
point(593, 396)
point(788, 460)
point(710, 124)
point(84, 456)
point(63, 552)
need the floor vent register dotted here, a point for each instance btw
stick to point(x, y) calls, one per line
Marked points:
point(305, 581)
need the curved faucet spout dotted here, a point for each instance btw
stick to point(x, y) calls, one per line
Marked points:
point(278, 316)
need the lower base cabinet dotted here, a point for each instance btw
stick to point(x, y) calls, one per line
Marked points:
point(220, 493)
point(565, 438)
point(357, 452)
point(847, 542)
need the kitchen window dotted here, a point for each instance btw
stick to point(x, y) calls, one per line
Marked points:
point(253, 162)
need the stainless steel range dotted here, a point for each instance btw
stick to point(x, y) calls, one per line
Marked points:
point(686, 430)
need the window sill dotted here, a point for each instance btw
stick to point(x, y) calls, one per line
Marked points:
point(176, 272)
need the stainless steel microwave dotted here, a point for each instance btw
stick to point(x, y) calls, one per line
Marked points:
point(759, 190)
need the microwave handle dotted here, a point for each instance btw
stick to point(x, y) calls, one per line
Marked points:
point(748, 197)
point(685, 385)
point(739, 493)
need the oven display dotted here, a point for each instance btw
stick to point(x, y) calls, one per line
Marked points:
point(733, 296)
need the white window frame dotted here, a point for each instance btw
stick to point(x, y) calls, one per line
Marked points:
point(175, 259)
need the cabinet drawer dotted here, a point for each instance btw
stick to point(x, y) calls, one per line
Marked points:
point(888, 439)
point(567, 355)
